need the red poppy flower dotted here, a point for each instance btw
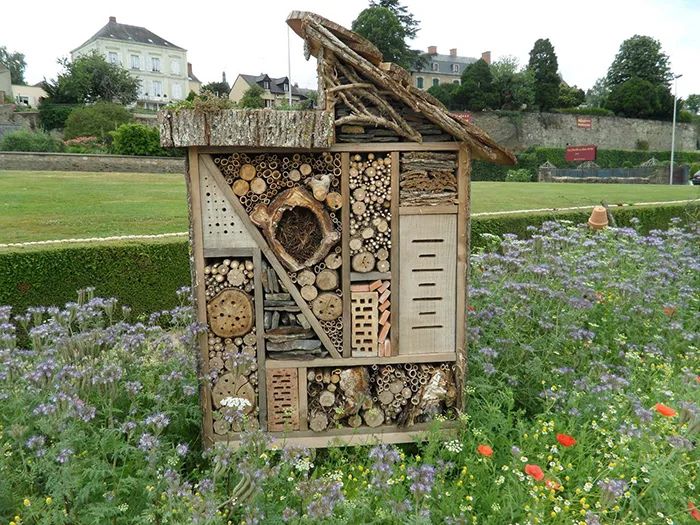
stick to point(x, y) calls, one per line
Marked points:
point(551, 484)
point(471, 308)
point(565, 440)
point(695, 513)
point(670, 311)
point(664, 410)
point(534, 471)
point(485, 450)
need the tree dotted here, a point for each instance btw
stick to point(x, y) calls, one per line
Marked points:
point(693, 103)
point(90, 78)
point(96, 120)
point(570, 97)
point(137, 139)
point(15, 63)
point(381, 27)
point(515, 87)
point(635, 98)
point(477, 91)
point(408, 22)
point(544, 65)
point(640, 56)
point(598, 94)
point(444, 93)
point(220, 89)
point(252, 98)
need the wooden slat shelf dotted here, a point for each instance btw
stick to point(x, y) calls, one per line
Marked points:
point(228, 252)
point(363, 361)
point(429, 210)
point(370, 276)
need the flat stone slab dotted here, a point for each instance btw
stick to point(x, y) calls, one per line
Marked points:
point(288, 346)
point(288, 333)
point(278, 297)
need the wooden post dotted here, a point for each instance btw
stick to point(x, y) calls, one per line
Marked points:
point(345, 238)
point(395, 252)
point(260, 337)
point(463, 231)
point(199, 289)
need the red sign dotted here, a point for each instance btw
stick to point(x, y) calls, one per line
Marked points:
point(581, 153)
point(464, 116)
point(584, 122)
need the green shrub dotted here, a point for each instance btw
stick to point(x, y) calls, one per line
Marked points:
point(521, 175)
point(641, 145)
point(96, 120)
point(137, 139)
point(596, 112)
point(54, 116)
point(143, 276)
point(686, 117)
point(24, 140)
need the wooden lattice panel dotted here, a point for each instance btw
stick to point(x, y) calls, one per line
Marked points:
point(282, 399)
point(222, 228)
point(364, 323)
point(427, 284)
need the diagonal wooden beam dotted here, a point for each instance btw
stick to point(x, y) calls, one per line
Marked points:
point(207, 163)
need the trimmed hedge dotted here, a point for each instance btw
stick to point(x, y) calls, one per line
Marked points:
point(145, 276)
point(532, 158)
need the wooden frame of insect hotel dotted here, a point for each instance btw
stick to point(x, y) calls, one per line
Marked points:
point(330, 252)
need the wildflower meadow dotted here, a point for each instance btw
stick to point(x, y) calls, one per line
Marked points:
point(583, 407)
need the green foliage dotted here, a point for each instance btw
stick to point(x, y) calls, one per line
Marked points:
point(410, 25)
point(570, 97)
point(192, 95)
point(252, 98)
point(220, 89)
point(97, 120)
point(138, 139)
point(693, 103)
point(24, 140)
point(545, 68)
point(641, 145)
point(634, 98)
point(598, 94)
point(53, 115)
point(444, 93)
point(205, 102)
point(640, 57)
point(85, 145)
point(520, 175)
point(515, 87)
point(90, 78)
point(595, 112)
point(143, 276)
point(16, 63)
point(477, 91)
point(532, 158)
point(380, 26)
point(686, 117)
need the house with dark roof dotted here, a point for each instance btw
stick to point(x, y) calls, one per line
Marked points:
point(441, 69)
point(276, 89)
point(160, 65)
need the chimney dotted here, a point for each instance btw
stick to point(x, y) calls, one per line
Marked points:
point(112, 19)
point(486, 57)
point(453, 52)
point(432, 49)
point(189, 69)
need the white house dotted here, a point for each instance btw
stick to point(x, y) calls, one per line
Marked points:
point(160, 65)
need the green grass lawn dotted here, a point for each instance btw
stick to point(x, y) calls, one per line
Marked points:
point(41, 205)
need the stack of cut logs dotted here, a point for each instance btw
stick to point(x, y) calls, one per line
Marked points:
point(370, 219)
point(288, 333)
point(371, 396)
point(375, 295)
point(259, 178)
point(428, 178)
point(232, 339)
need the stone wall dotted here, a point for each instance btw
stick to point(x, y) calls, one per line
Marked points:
point(75, 162)
point(558, 130)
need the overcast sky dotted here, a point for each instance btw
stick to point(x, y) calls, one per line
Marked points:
point(251, 36)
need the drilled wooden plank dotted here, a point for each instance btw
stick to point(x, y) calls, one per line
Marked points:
point(395, 335)
point(282, 399)
point(428, 245)
point(463, 228)
point(260, 336)
point(303, 400)
point(345, 243)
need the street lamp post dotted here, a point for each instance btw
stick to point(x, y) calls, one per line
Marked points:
point(673, 130)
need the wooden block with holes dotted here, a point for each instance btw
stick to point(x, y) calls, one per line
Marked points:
point(427, 284)
point(282, 400)
point(364, 324)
